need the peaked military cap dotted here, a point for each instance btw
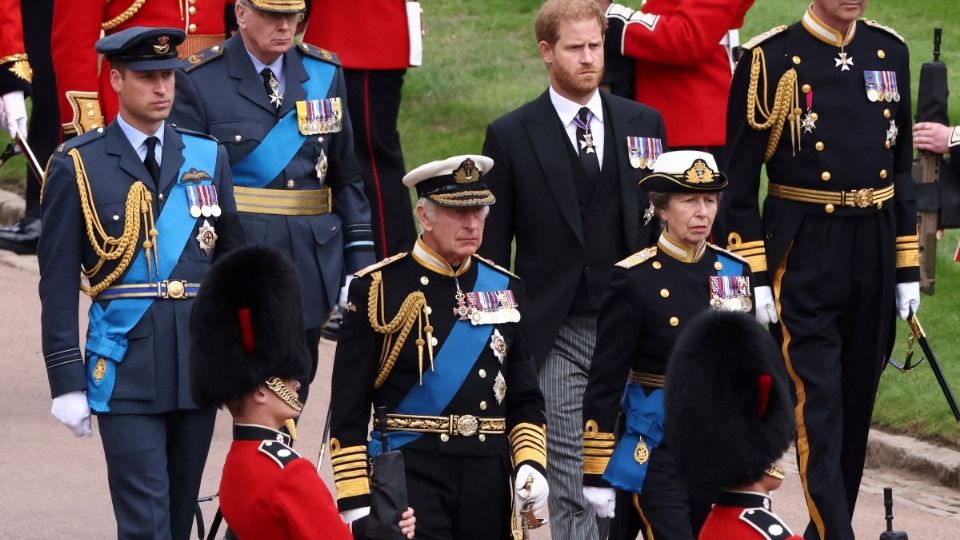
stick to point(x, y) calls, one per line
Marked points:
point(279, 6)
point(246, 326)
point(143, 49)
point(684, 171)
point(455, 181)
point(728, 407)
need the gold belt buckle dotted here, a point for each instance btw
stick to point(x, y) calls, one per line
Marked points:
point(467, 425)
point(175, 289)
point(863, 198)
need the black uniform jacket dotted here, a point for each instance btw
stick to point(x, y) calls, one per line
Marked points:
point(358, 363)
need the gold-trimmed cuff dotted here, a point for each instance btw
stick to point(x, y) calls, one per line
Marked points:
point(528, 442)
point(87, 115)
point(754, 252)
point(19, 66)
point(908, 251)
point(598, 448)
point(349, 469)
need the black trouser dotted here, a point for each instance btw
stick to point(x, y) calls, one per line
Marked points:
point(459, 497)
point(835, 294)
point(313, 343)
point(43, 135)
point(373, 100)
point(664, 511)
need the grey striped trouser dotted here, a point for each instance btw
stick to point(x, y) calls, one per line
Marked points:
point(563, 380)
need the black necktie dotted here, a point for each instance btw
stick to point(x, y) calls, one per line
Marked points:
point(272, 86)
point(150, 160)
point(586, 147)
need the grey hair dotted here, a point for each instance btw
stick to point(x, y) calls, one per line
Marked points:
point(430, 208)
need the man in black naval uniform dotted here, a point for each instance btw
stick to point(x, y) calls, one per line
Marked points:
point(825, 103)
point(279, 110)
point(137, 207)
point(436, 338)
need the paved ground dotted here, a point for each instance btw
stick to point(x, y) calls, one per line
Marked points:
point(54, 486)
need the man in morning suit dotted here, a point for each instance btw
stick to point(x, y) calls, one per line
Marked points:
point(142, 208)
point(566, 186)
point(279, 110)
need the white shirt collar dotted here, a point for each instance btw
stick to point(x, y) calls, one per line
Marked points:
point(567, 109)
point(137, 138)
point(276, 67)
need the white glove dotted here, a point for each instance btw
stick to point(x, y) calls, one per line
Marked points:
point(908, 298)
point(349, 516)
point(603, 500)
point(13, 113)
point(71, 410)
point(766, 310)
point(342, 300)
point(539, 490)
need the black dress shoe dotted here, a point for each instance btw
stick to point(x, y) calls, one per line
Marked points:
point(21, 237)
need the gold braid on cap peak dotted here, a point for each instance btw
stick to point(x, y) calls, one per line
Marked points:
point(139, 207)
point(414, 309)
point(786, 105)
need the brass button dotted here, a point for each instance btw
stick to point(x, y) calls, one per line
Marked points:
point(886, 113)
point(717, 265)
point(192, 10)
point(819, 146)
point(883, 173)
point(237, 137)
point(664, 293)
point(825, 176)
point(483, 405)
point(656, 265)
point(428, 310)
point(192, 28)
point(116, 217)
point(424, 280)
point(674, 321)
point(806, 89)
point(444, 437)
point(320, 139)
point(881, 54)
point(828, 208)
point(160, 196)
point(814, 116)
point(215, 48)
point(796, 59)
point(482, 373)
point(481, 437)
point(99, 129)
point(886, 143)
point(291, 184)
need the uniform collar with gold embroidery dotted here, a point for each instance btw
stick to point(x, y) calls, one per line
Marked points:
point(680, 252)
point(824, 33)
point(429, 259)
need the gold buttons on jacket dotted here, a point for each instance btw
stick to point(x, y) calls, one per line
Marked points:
point(829, 208)
point(883, 173)
point(656, 265)
point(717, 265)
point(481, 437)
point(192, 28)
point(886, 113)
point(424, 280)
point(806, 89)
point(825, 176)
point(215, 48)
point(881, 54)
point(291, 184)
point(819, 146)
point(664, 293)
point(483, 405)
point(796, 60)
point(237, 137)
point(674, 321)
point(482, 373)
point(886, 144)
point(444, 437)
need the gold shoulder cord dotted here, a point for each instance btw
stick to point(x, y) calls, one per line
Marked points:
point(124, 16)
point(786, 105)
point(414, 309)
point(138, 205)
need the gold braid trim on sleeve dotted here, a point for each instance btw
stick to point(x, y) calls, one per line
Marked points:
point(124, 15)
point(786, 105)
point(413, 310)
point(138, 208)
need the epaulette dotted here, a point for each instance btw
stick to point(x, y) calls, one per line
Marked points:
point(639, 257)
point(320, 54)
point(377, 265)
point(730, 254)
point(81, 140)
point(279, 452)
point(192, 132)
point(766, 523)
point(887, 29)
point(758, 39)
point(198, 59)
point(497, 266)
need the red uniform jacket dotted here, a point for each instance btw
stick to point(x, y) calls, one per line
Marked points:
point(15, 73)
point(681, 69)
point(744, 516)
point(268, 491)
point(86, 99)
point(366, 34)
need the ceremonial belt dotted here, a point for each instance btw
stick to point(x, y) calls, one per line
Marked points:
point(855, 198)
point(464, 425)
point(646, 379)
point(168, 289)
point(300, 202)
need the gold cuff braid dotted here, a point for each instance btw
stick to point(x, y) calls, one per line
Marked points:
point(349, 469)
point(528, 442)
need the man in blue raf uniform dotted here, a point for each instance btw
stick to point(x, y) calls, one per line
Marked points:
point(142, 209)
point(279, 110)
point(436, 338)
point(825, 104)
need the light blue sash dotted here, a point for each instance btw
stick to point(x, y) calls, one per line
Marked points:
point(730, 266)
point(645, 415)
point(107, 329)
point(452, 364)
point(283, 142)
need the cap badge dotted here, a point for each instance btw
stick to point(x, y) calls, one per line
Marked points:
point(163, 45)
point(466, 173)
point(699, 173)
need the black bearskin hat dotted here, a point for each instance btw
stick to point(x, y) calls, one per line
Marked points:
point(728, 411)
point(246, 326)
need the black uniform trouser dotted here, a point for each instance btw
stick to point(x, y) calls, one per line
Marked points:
point(154, 467)
point(835, 295)
point(373, 100)
point(313, 343)
point(459, 497)
point(43, 133)
point(664, 511)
